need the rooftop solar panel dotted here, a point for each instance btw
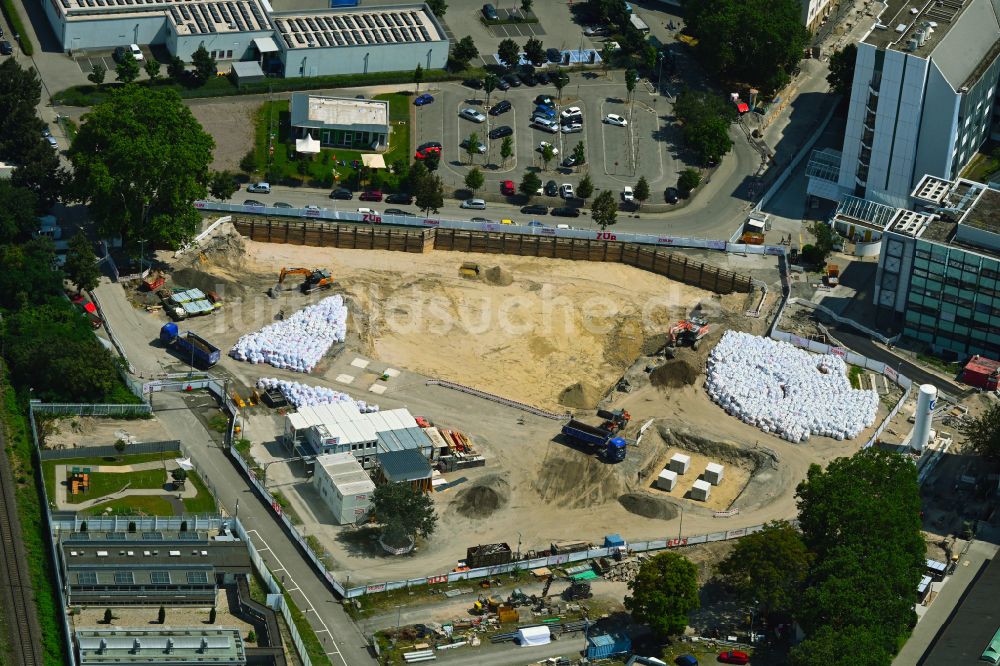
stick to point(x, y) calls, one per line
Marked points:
point(159, 577)
point(86, 578)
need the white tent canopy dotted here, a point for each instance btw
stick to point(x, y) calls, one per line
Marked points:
point(307, 145)
point(531, 636)
point(184, 463)
point(373, 161)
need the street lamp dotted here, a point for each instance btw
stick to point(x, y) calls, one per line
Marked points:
point(681, 526)
point(752, 610)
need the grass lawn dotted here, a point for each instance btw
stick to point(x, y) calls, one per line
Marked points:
point(106, 483)
point(981, 167)
point(286, 168)
point(150, 505)
point(49, 467)
point(203, 502)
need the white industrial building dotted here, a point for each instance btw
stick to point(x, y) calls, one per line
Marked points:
point(341, 122)
point(344, 486)
point(295, 44)
point(342, 428)
point(814, 12)
point(922, 101)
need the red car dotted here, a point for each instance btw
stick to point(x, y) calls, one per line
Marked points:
point(507, 187)
point(422, 153)
point(734, 657)
point(371, 195)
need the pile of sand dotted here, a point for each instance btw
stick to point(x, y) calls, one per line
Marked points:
point(625, 343)
point(675, 373)
point(484, 497)
point(192, 278)
point(499, 276)
point(648, 506)
point(581, 395)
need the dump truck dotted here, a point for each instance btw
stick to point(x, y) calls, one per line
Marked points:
point(613, 448)
point(190, 346)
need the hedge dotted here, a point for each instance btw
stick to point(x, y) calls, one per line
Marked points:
point(90, 95)
point(17, 25)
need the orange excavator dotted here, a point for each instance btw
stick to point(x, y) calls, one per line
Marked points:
point(689, 332)
point(314, 279)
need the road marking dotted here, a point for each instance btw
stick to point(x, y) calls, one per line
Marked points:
point(308, 601)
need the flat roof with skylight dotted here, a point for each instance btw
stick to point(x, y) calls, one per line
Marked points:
point(180, 646)
point(406, 24)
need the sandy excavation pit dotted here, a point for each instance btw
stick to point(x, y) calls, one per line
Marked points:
point(549, 332)
point(734, 479)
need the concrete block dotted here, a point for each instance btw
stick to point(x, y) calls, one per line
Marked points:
point(701, 490)
point(666, 480)
point(680, 463)
point(713, 473)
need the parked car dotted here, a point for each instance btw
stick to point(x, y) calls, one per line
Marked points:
point(615, 119)
point(568, 162)
point(542, 145)
point(281, 204)
point(571, 113)
point(686, 660)
point(627, 194)
point(479, 148)
point(543, 79)
point(543, 100)
point(592, 31)
point(313, 207)
point(254, 203)
point(734, 657)
point(371, 195)
point(259, 188)
point(572, 128)
point(490, 13)
point(502, 106)
point(551, 189)
point(535, 223)
point(398, 211)
point(507, 187)
point(342, 193)
point(528, 79)
point(545, 124)
point(476, 204)
point(6, 48)
point(136, 52)
point(565, 211)
point(503, 85)
point(544, 112)
point(500, 132)
point(471, 114)
point(566, 191)
point(483, 220)
point(535, 209)
point(422, 153)
point(553, 55)
point(671, 195)
point(423, 99)
point(475, 84)
point(429, 144)
point(399, 198)
point(52, 142)
point(119, 54)
point(512, 79)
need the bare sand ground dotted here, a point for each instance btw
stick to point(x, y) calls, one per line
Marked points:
point(231, 123)
point(734, 479)
point(75, 431)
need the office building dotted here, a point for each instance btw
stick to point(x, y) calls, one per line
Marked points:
point(921, 101)
point(339, 122)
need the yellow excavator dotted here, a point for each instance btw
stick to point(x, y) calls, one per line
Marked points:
point(315, 279)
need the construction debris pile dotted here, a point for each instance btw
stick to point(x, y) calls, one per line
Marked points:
point(780, 388)
point(303, 395)
point(299, 342)
point(623, 571)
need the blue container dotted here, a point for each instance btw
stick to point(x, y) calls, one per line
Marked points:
point(605, 646)
point(614, 541)
point(344, 3)
point(168, 333)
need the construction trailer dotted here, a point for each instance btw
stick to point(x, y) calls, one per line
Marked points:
point(982, 372)
point(344, 486)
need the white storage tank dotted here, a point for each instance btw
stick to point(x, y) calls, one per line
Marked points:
point(926, 399)
point(679, 463)
point(666, 480)
point(701, 490)
point(713, 473)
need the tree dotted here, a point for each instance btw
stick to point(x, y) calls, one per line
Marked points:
point(432, 161)
point(709, 138)
point(429, 194)
point(641, 190)
point(631, 78)
point(579, 154)
point(548, 153)
point(176, 69)
point(509, 53)
point(841, 76)
point(758, 42)
point(464, 51)
point(108, 616)
point(17, 212)
point(526, 7)
point(97, 74)
point(474, 179)
point(664, 592)
point(506, 149)
point(983, 433)
point(529, 184)
point(534, 51)
point(607, 53)
point(222, 185)
point(418, 75)
point(585, 189)
point(152, 68)
point(437, 7)
point(769, 567)
point(472, 146)
point(121, 445)
point(81, 264)
point(128, 68)
point(205, 66)
point(825, 236)
point(248, 163)
point(140, 160)
point(402, 505)
point(490, 83)
point(560, 81)
point(161, 616)
point(604, 210)
point(179, 476)
point(650, 56)
point(850, 645)
point(688, 180)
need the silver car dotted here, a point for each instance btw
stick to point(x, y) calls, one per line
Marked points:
point(259, 188)
point(473, 115)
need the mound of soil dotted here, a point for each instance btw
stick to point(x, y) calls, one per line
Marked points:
point(484, 498)
point(192, 278)
point(675, 373)
point(499, 276)
point(624, 344)
point(648, 506)
point(581, 395)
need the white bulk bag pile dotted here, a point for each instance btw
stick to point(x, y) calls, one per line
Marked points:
point(299, 342)
point(303, 395)
point(780, 388)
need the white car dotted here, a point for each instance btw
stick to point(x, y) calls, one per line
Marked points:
point(572, 128)
point(259, 188)
point(135, 51)
point(542, 145)
point(473, 115)
point(628, 194)
point(615, 119)
point(368, 211)
point(566, 191)
point(545, 125)
point(571, 113)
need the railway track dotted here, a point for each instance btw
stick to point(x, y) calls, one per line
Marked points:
point(18, 599)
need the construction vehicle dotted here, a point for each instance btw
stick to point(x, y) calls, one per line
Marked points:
point(832, 275)
point(189, 346)
point(689, 332)
point(485, 605)
point(317, 278)
point(614, 420)
point(613, 448)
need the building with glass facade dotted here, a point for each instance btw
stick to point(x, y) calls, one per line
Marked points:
point(939, 267)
